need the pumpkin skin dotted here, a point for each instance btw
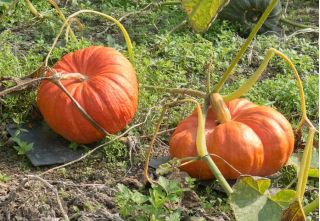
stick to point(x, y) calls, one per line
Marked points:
point(257, 140)
point(109, 94)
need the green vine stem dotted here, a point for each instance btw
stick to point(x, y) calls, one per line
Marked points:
point(33, 10)
point(311, 206)
point(185, 91)
point(209, 70)
point(63, 18)
point(295, 24)
point(304, 165)
point(80, 27)
point(178, 26)
point(244, 46)
point(108, 17)
point(252, 80)
point(192, 160)
point(203, 151)
point(149, 152)
point(168, 3)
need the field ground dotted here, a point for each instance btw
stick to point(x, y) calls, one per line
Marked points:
point(89, 188)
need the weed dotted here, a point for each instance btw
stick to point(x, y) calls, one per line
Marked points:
point(62, 172)
point(4, 178)
point(160, 204)
point(22, 147)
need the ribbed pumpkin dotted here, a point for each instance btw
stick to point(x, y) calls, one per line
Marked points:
point(109, 94)
point(257, 140)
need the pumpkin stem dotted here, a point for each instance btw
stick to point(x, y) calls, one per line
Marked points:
point(56, 77)
point(69, 76)
point(220, 108)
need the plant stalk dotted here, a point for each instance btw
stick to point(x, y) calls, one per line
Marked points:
point(108, 17)
point(203, 150)
point(33, 10)
point(245, 46)
point(217, 174)
point(311, 206)
point(243, 89)
point(63, 18)
point(295, 24)
point(146, 166)
point(190, 161)
point(305, 165)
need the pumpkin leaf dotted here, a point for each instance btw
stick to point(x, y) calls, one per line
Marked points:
point(250, 197)
point(201, 13)
point(258, 183)
point(295, 159)
point(294, 212)
point(284, 197)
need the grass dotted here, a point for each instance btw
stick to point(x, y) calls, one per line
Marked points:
point(176, 60)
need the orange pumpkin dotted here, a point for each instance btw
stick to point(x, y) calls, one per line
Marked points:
point(109, 94)
point(257, 140)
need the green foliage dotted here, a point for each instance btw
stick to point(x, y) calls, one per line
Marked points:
point(22, 147)
point(116, 151)
point(250, 196)
point(160, 204)
point(4, 5)
point(282, 93)
point(4, 178)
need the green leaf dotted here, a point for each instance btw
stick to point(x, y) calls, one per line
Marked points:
point(250, 204)
point(201, 13)
point(138, 198)
point(284, 197)
point(258, 183)
point(313, 173)
point(168, 167)
point(170, 186)
point(295, 159)
point(174, 216)
point(294, 212)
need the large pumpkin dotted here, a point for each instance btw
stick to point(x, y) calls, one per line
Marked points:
point(257, 140)
point(109, 94)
